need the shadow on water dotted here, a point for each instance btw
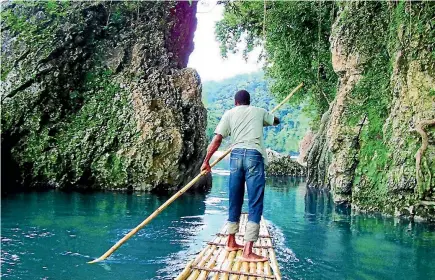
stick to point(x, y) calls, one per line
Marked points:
point(316, 239)
point(319, 203)
point(284, 183)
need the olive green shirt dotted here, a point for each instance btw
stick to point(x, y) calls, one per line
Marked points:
point(245, 125)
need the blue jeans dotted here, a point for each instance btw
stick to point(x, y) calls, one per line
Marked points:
point(246, 165)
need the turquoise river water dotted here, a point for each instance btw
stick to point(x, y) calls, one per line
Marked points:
point(51, 235)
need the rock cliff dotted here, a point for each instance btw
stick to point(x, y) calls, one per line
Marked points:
point(375, 145)
point(96, 95)
point(283, 165)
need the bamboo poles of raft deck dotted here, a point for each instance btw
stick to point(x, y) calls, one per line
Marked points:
point(235, 264)
point(260, 265)
point(222, 257)
point(242, 266)
point(214, 262)
point(227, 266)
point(211, 264)
point(266, 266)
point(186, 271)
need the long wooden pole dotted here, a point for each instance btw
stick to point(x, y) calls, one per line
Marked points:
point(178, 194)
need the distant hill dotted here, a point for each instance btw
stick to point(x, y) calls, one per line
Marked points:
point(218, 96)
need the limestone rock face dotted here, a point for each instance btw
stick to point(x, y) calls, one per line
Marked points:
point(94, 95)
point(304, 147)
point(334, 148)
point(365, 149)
point(283, 165)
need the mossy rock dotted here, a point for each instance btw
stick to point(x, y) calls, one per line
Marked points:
point(92, 98)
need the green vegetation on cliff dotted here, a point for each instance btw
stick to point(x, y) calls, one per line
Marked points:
point(218, 97)
point(396, 42)
point(94, 95)
point(296, 47)
point(369, 68)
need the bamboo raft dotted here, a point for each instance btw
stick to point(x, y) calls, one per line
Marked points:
point(215, 262)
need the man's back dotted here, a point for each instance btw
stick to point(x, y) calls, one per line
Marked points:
point(245, 125)
point(248, 157)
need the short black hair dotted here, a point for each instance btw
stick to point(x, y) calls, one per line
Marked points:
point(242, 97)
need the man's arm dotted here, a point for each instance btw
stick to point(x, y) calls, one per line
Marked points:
point(269, 119)
point(214, 145)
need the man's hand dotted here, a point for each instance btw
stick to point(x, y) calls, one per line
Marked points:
point(276, 121)
point(206, 166)
point(214, 145)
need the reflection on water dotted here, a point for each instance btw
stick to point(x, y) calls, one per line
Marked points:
point(51, 235)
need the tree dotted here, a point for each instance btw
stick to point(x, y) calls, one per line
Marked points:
point(296, 47)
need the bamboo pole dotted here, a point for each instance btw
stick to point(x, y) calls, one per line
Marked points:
point(253, 267)
point(227, 264)
point(224, 255)
point(186, 271)
point(235, 272)
point(245, 268)
point(273, 261)
point(242, 266)
point(221, 260)
point(179, 193)
point(267, 270)
point(263, 241)
point(211, 264)
point(230, 261)
point(288, 97)
point(260, 266)
point(263, 251)
point(236, 266)
point(195, 273)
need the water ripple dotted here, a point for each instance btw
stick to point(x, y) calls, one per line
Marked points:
point(59, 232)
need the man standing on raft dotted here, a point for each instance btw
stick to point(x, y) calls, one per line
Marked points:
point(247, 161)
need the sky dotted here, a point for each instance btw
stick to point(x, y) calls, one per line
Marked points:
point(206, 58)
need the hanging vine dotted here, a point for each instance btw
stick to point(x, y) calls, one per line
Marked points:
point(423, 184)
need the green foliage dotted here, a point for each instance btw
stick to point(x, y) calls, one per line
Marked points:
point(365, 30)
point(56, 8)
point(296, 49)
point(371, 96)
point(17, 20)
point(377, 30)
point(219, 97)
point(84, 142)
point(365, 23)
point(381, 35)
point(121, 12)
point(34, 23)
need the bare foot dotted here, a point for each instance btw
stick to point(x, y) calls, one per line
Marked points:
point(252, 258)
point(234, 247)
point(232, 244)
point(249, 256)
